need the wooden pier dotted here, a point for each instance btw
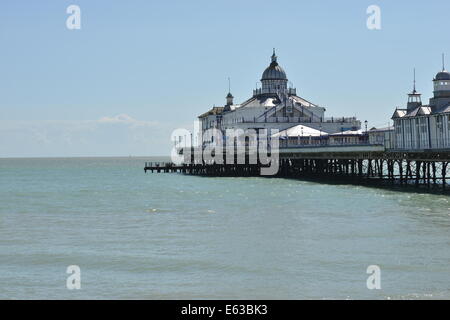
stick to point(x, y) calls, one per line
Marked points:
point(428, 169)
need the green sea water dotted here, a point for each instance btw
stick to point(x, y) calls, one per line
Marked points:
point(170, 236)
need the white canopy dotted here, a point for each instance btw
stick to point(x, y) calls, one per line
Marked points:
point(298, 131)
point(348, 133)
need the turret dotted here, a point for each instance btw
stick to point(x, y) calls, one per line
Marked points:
point(414, 98)
point(441, 82)
point(229, 99)
point(441, 93)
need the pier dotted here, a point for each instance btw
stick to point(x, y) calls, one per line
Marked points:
point(414, 152)
point(429, 169)
point(359, 164)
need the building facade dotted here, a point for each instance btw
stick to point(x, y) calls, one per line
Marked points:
point(418, 126)
point(382, 136)
point(274, 106)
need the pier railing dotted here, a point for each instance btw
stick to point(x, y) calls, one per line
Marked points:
point(319, 144)
point(159, 164)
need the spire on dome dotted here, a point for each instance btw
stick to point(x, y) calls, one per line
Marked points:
point(444, 74)
point(443, 62)
point(274, 56)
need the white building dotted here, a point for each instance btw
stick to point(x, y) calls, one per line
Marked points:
point(419, 126)
point(274, 106)
point(382, 136)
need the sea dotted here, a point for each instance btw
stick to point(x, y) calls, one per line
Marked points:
point(136, 235)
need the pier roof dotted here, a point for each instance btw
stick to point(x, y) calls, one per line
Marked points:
point(419, 111)
point(384, 129)
point(347, 133)
point(444, 109)
point(398, 113)
point(211, 112)
point(298, 131)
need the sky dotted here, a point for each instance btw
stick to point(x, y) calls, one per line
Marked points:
point(137, 70)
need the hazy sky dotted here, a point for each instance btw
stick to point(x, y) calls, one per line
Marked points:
point(136, 70)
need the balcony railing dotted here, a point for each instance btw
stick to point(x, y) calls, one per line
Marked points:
point(293, 120)
point(290, 91)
